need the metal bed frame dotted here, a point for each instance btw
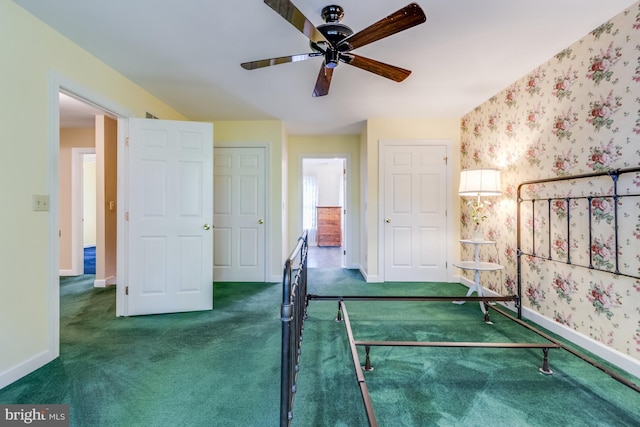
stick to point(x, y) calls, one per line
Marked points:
point(296, 300)
point(616, 197)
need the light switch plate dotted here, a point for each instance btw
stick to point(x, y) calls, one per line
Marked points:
point(40, 202)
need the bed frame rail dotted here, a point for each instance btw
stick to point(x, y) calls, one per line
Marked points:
point(293, 313)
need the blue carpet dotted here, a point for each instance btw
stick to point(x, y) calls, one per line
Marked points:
point(90, 260)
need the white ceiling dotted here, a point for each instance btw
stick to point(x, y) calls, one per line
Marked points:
point(188, 54)
point(77, 114)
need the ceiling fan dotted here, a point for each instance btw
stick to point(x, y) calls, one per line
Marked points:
point(335, 41)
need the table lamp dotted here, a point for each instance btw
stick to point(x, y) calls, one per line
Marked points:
point(478, 183)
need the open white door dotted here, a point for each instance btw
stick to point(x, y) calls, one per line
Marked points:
point(169, 242)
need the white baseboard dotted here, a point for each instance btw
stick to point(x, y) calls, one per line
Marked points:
point(611, 355)
point(103, 283)
point(70, 273)
point(370, 278)
point(275, 279)
point(16, 372)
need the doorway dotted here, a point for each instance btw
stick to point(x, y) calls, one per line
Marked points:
point(58, 84)
point(83, 210)
point(87, 189)
point(323, 210)
point(89, 212)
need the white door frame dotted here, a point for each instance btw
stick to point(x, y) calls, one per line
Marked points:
point(58, 83)
point(382, 145)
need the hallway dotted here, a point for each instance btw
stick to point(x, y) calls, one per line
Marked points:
point(324, 257)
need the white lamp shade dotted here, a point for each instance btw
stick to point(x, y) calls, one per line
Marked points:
point(480, 182)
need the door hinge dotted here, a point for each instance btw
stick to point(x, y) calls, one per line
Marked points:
point(126, 216)
point(344, 252)
point(445, 158)
point(126, 290)
point(126, 142)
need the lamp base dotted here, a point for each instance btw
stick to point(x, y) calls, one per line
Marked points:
point(477, 235)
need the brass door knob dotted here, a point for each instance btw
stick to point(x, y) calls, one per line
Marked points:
point(388, 220)
point(206, 226)
point(260, 221)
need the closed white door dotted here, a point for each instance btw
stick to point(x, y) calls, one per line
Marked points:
point(169, 238)
point(239, 235)
point(414, 216)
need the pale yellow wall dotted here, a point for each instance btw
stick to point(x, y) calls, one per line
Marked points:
point(272, 133)
point(310, 146)
point(69, 138)
point(400, 129)
point(30, 53)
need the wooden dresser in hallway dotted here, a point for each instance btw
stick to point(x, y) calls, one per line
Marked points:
point(329, 225)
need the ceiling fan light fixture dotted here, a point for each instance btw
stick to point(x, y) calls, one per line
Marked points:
point(331, 57)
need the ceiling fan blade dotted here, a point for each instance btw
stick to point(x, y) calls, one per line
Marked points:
point(392, 72)
point(405, 18)
point(323, 81)
point(252, 65)
point(288, 11)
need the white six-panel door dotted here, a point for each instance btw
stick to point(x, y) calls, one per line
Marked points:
point(239, 214)
point(169, 238)
point(414, 212)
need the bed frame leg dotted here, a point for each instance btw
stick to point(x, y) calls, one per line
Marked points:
point(487, 319)
point(367, 361)
point(545, 362)
point(339, 316)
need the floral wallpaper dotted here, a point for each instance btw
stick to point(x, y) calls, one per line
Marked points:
point(576, 114)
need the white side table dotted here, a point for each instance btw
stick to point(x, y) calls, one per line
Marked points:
point(477, 266)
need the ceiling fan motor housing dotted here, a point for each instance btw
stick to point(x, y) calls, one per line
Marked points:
point(334, 32)
point(332, 13)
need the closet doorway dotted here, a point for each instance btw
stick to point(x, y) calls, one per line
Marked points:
point(323, 210)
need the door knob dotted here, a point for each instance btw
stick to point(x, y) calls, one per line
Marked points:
point(388, 220)
point(206, 226)
point(260, 221)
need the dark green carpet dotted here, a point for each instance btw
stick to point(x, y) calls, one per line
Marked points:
point(222, 368)
point(444, 386)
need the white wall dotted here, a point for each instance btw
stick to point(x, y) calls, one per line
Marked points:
point(329, 173)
